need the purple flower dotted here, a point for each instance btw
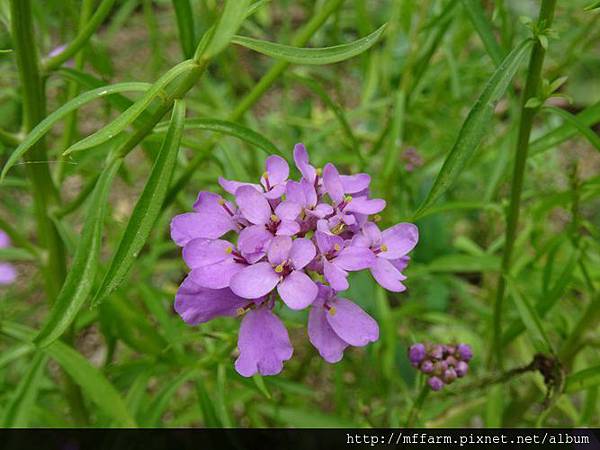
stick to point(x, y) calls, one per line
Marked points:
point(390, 247)
point(435, 383)
point(334, 323)
point(263, 343)
point(464, 351)
point(338, 258)
point(416, 354)
point(461, 369)
point(286, 259)
point(289, 240)
point(213, 217)
point(8, 273)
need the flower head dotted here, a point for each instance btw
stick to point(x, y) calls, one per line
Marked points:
point(294, 240)
point(442, 363)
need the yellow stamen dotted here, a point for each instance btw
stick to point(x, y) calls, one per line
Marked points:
point(376, 218)
point(279, 268)
point(274, 218)
point(265, 175)
point(338, 228)
point(348, 198)
point(337, 247)
point(240, 311)
point(229, 250)
point(384, 248)
point(221, 201)
point(319, 171)
point(331, 310)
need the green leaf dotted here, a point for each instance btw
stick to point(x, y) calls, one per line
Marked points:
point(583, 379)
point(80, 278)
point(158, 406)
point(260, 384)
point(185, 25)
point(209, 412)
point(229, 22)
point(326, 55)
point(533, 103)
point(147, 208)
point(17, 413)
point(475, 126)
point(126, 118)
point(530, 318)
point(592, 6)
point(92, 382)
point(229, 128)
point(9, 355)
point(573, 120)
point(45, 125)
point(483, 25)
point(587, 117)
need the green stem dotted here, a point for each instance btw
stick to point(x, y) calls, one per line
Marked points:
point(82, 37)
point(34, 108)
point(588, 321)
point(417, 405)
point(73, 89)
point(532, 88)
point(9, 139)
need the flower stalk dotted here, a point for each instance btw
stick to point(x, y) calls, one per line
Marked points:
point(527, 114)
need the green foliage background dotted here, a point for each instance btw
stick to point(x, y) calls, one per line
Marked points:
point(124, 358)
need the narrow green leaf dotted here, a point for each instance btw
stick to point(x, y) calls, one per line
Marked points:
point(185, 25)
point(573, 120)
point(229, 128)
point(325, 55)
point(45, 125)
point(17, 413)
point(209, 412)
point(147, 208)
point(583, 379)
point(483, 25)
point(14, 353)
point(475, 126)
point(588, 117)
point(160, 403)
point(92, 382)
point(531, 319)
point(80, 278)
point(125, 119)
point(260, 384)
point(592, 6)
point(232, 17)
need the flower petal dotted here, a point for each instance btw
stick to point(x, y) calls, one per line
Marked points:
point(321, 335)
point(355, 258)
point(399, 240)
point(275, 192)
point(212, 203)
point(231, 186)
point(254, 281)
point(294, 192)
point(287, 228)
point(8, 273)
point(4, 240)
point(297, 290)
point(288, 210)
point(196, 304)
point(321, 210)
point(327, 242)
point(364, 205)
point(355, 183)
point(279, 249)
point(204, 252)
point(301, 159)
point(352, 324)
point(333, 183)
point(302, 252)
point(253, 205)
point(372, 233)
point(335, 276)
point(277, 169)
point(188, 226)
point(263, 343)
point(216, 276)
point(253, 242)
point(387, 275)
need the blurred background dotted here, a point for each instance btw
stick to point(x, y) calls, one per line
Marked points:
point(394, 112)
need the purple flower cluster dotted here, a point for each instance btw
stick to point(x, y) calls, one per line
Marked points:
point(442, 363)
point(293, 240)
point(8, 273)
